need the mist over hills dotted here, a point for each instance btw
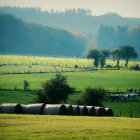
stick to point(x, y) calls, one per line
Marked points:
point(73, 19)
point(68, 33)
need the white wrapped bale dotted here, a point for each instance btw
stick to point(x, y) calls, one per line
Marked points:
point(54, 109)
point(11, 108)
point(36, 109)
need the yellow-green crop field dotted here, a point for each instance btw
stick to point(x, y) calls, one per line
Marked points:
point(37, 127)
point(36, 64)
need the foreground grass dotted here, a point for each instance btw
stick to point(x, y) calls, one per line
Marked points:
point(110, 79)
point(36, 127)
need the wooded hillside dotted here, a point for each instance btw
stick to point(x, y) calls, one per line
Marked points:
point(19, 37)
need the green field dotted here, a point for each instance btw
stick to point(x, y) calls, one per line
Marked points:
point(110, 79)
point(16, 69)
point(22, 97)
point(36, 127)
point(113, 80)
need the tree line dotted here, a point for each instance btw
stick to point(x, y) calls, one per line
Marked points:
point(125, 52)
point(74, 19)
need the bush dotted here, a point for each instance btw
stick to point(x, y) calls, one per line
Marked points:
point(54, 90)
point(76, 66)
point(137, 67)
point(92, 96)
point(26, 85)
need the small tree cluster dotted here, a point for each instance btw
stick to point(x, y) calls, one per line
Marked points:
point(125, 52)
point(54, 90)
point(98, 56)
point(92, 96)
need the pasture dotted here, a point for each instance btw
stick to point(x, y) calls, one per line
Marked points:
point(15, 69)
point(113, 80)
point(36, 127)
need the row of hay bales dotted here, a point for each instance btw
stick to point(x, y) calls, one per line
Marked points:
point(55, 109)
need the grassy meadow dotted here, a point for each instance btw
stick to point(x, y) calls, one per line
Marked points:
point(36, 127)
point(110, 79)
point(15, 69)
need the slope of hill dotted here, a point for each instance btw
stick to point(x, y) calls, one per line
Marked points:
point(18, 37)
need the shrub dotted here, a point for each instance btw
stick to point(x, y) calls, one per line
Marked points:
point(26, 85)
point(54, 90)
point(76, 66)
point(137, 67)
point(92, 96)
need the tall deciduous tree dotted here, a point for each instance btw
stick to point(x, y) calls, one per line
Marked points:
point(103, 55)
point(94, 54)
point(127, 52)
point(116, 54)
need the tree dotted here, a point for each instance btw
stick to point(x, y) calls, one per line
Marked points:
point(103, 55)
point(94, 54)
point(54, 90)
point(116, 54)
point(92, 96)
point(102, 62)
point(127, 52)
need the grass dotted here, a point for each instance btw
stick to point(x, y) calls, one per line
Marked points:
point(110, 79)
point(125, 109)
point(22, 97)
point(35, 127)
point(113, 80)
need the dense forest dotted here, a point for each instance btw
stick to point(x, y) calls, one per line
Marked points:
point(18, 37)
point(74, 19)
point(112, 37)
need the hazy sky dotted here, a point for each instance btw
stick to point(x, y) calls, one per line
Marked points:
point(126, 8)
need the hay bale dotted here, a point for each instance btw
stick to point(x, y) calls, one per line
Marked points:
point(0, 109)
point(33, 108)
point(55, 109)
point(11, 108)
point(83, 110)
point(69, 109)
point(109, 112)
point(91, 110)
point(100, 111)
point(76, 110)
